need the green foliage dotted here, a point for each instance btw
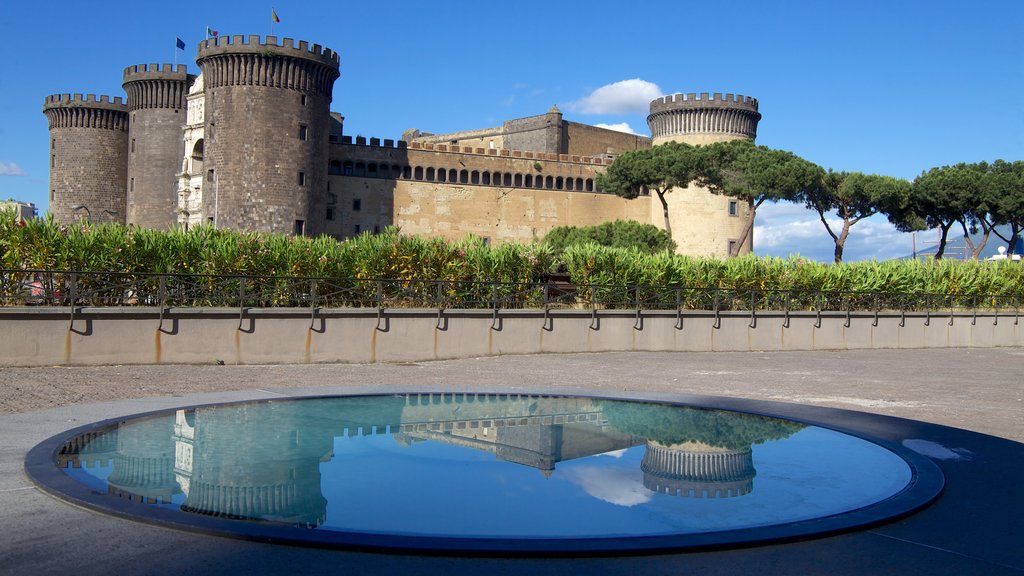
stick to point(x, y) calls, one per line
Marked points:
point(854, 197)
point(670, 425)
point(405, 261)
point(619, 234)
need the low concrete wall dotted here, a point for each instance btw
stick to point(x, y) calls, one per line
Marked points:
point(49, 336)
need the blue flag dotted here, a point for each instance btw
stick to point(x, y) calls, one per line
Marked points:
point(180, 44)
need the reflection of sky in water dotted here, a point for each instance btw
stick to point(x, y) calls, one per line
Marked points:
point(813, 472)
point(469, 484)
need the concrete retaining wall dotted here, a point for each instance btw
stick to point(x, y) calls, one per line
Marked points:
point(48, 336)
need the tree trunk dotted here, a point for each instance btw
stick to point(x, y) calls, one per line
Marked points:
point(841, 241)
point(664, 210)
point(748, 228)
point(942, 240)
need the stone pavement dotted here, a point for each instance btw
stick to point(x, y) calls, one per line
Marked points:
point(970, 529)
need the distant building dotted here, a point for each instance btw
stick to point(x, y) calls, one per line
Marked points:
point(251, 144)
point(22, 210)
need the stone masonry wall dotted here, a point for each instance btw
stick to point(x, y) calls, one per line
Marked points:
point(88, 157)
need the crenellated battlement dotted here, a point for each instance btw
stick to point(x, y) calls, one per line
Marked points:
point(83, 101)
point(252, 44)
point(475, 151)
point(156, 72)
point(156, 86)
point(703, 118)
point(703, 100)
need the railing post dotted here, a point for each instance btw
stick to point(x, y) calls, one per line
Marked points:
point(241, 301)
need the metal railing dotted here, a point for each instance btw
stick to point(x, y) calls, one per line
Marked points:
point(117, 289)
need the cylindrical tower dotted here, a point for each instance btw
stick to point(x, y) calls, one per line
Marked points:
point(705, 224)
point(266, 133)
point(700, 120)
point(88, 157)
point(156, 112)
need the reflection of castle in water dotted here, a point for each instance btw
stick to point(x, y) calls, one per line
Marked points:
point(262, 460)
point(698, 470)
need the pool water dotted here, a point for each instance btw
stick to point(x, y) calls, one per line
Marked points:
point(430, 470)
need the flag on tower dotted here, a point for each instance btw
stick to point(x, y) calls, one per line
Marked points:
point(179, 43)
point(210, 32)
point(273, 16)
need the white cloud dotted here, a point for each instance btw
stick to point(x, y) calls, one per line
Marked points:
point(10, 169)
point(786, 229)
point(620, 127)
point(615, 486)
point(623, 97)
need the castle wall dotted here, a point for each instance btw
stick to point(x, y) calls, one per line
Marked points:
point(503, 195)
point(156, 104)
point(544, 133)
point(88, 157)
point(585, 140)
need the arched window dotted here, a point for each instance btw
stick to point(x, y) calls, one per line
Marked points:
point(558, 183)
point(579, 184)
point(506, 179)
point(334, 168)
point(348, 169)
point(418, 173)
point(407, 172)
point(396, 171)
point(474, 177)
point(464, 177)
point(360, 169)
point(197, 158)
point(453, 175)
point(430, 174)
point(442, 175)
point(486, 178)
point(529, 181)
point(371, 170)
point(549, 182)
point(590, 184)
point(385, 171)
point(518, 180)
point(568, 184)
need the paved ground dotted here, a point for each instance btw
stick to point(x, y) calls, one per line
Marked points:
point(970, 530)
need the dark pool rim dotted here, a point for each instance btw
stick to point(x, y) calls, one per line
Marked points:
point(925, 485)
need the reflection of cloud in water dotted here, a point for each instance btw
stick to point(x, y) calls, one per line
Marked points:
point(614, 453)
point(615, 486)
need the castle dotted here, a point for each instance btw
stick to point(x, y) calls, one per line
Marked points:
point(251, 144)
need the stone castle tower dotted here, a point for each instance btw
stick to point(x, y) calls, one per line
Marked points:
point(266, 129)
point(156, 104)
point(691, 120)
point(698, 120)
point(88, 157)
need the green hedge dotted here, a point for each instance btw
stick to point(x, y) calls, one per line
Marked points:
point(43, 244)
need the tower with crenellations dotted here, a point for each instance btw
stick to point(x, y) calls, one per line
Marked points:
point(156, 115)
point(703, 119)
point(267, 118)
point(88, 157)
point(707, 223)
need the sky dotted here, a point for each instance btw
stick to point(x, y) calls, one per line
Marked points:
point(891, 87)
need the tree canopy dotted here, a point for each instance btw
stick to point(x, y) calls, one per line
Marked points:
point(659, 169)
point(618, 234)
point(854, 196)
point(755, 175)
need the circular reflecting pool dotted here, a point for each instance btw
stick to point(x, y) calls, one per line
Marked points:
point(483, 472)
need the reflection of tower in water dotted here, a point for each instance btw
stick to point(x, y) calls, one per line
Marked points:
point(694, 469)
point(144, 463)
point(251, 464)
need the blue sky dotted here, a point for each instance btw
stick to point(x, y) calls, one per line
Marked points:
point(888, 87)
